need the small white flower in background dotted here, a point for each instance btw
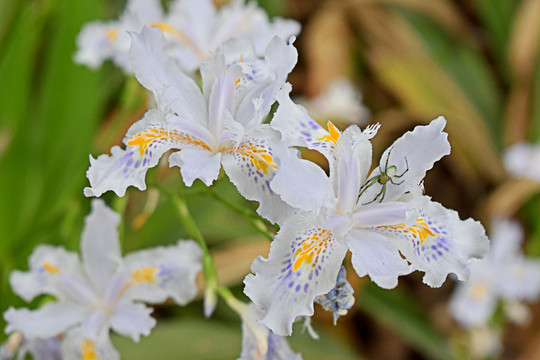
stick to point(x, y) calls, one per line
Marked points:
point(504, 274)
point(390, 228)
point(194, 29)
point(103, 291)
point(260, 343)
point(522, 160)
point(340, 299)
point(220, 126)
point(340, 102)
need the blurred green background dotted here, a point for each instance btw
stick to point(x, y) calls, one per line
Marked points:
point(475, 62)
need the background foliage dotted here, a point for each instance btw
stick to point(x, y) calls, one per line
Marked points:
point(475, 62)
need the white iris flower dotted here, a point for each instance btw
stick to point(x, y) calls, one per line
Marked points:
point(220, 126)
point(103, 291)
point(194, 30)
point(380, 217)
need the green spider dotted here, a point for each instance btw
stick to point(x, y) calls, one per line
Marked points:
point(389, 173)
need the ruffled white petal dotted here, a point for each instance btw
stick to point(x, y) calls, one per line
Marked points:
point(377, 256)
point(132, 320)
point(46, 263)
point(441, 243)
point(197, 164)
point(298, 128)
point(50, 320)
point(251, 167)
point(147, 141)
point(99, 244)
point(303, 263)
point(411, 155)
point(172, 271)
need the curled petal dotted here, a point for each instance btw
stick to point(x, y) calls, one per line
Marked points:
point(304, 262)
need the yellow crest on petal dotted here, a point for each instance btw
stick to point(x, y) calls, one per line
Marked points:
point(144, 138)
point(420, 229)
point(145, 275)
point(311, 248)
point(334, 134)
point(51, 268)
point(257, 156)
point(88, 350)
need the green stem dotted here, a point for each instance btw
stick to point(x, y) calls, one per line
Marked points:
point(193, 231)
point(254, 219)
point(231, 300)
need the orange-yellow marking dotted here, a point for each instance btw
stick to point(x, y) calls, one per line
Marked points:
point(88, 350)
point(144, 138)
point(258, 157)
point(311, 248)
point(111, 34)
point(169, 29)
point(420, 229)
point(145, 275)
point(334, 134)
point(51, 268)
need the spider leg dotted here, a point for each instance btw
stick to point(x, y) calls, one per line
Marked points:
point(367, 184)
point(398, 183)
point(382, 192)
point(387, 157)
point(403, 173)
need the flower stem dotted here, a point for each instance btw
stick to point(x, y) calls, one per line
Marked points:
point(209, 267)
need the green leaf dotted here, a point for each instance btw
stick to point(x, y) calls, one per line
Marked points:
point(398, 311)
point(466, 66)
point(497, 16)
